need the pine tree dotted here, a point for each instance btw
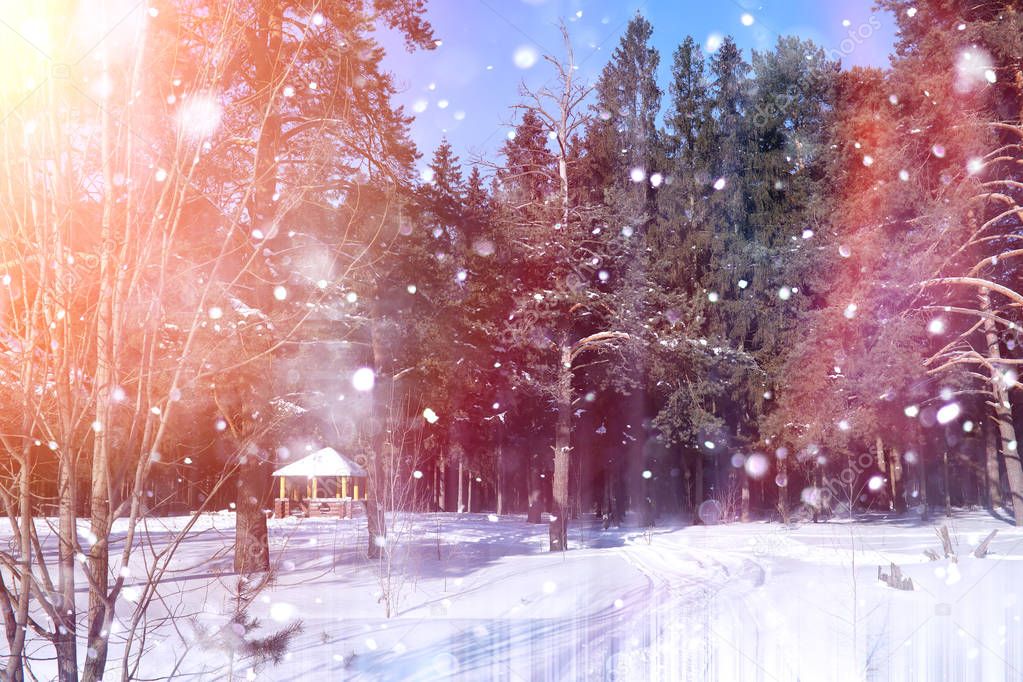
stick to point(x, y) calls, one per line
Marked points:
point(559, 313)
point(621, 141)
point(622, 167)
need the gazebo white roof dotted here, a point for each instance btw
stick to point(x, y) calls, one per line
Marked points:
point(326, 462)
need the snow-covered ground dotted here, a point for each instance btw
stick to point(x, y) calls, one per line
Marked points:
point(475, 597)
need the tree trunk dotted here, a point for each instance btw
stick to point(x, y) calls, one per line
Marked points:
point(378, 488)
point(851, 492)
point(781, 482)
point(376, 525)
point(461, 486)
point(442, 496)
point(612, 494)
point(15, 669)
point(683, 484)
point(993, 476)
point(895, 476)
point(65, 638)
point(744, 478)
point(562, 447)
point(698, 494)
point(442, 482)
point(251, 548)
point(1003, 412)
point(818, 484)
point(885, 467)
point(535, 508)
point(948, 483)
point(576, 480)
point(647, 511)
point(500, 479)
point(922, 473)
point(105, 379)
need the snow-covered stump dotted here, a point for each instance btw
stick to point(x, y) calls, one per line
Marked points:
point(895, 579)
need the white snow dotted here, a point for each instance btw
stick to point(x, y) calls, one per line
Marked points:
point(479, 598)
point(325, 462)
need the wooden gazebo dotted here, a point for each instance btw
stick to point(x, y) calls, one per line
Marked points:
point(325, 483)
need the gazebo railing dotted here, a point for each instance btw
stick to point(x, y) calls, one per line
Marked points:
point(291, 501)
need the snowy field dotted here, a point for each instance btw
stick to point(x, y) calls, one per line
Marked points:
point(475, 597)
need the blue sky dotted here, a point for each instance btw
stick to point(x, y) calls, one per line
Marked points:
point(465, 87)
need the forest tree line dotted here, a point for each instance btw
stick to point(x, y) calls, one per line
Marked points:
point(766, 283)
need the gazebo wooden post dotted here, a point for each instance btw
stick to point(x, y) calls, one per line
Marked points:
point(344, 486)
point(355, 495)
point(337, 487)
point(314, 488)
point(282, 488)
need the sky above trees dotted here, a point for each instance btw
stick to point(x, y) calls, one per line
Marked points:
point(461, 89)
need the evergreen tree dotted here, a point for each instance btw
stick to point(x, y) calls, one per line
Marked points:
point(623, 169)
point(621, 142)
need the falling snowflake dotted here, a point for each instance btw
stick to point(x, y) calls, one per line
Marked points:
point(525, 56)
point(948, 413)
point(756, 465)
point(363, 379)
point(282, 611)
point(199, 117)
